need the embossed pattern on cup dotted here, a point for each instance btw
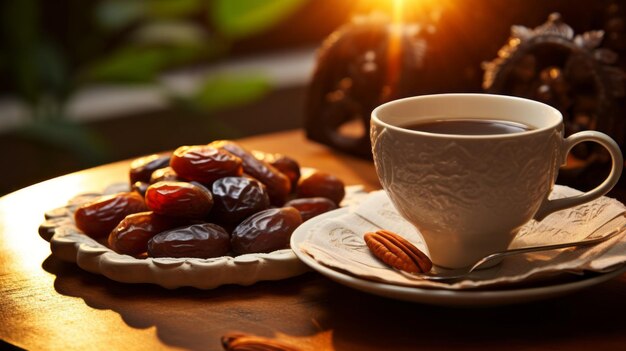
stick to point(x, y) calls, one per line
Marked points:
point(455, 187)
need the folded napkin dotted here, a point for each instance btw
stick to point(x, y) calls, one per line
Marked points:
point(338, 243)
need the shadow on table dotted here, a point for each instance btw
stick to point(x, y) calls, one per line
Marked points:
point(313, 304)
point(573, 321)
point(260, 309)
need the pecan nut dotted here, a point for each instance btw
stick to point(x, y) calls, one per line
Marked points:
point(397, 252)
point(244, 342)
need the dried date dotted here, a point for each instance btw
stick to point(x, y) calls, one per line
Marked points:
point(266, 231)
point(311, 206)
point(179, 199)
point(164, 174)
point(236, 198)
point(197, 240)
point(141, 168)
point(99, 217)
point(320, 184)
point(140, 188)
point(285, 164)
point(131, 235)
point(278, 185)
point(205, 163)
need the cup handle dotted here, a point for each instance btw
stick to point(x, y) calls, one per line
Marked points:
point(549, 206)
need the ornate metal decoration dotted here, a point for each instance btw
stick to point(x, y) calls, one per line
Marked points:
point(363, 64)
point(570, 72)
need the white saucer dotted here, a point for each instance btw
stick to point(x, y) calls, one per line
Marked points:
point(439, 296)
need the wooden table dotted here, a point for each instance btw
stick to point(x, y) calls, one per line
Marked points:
point(50, 304)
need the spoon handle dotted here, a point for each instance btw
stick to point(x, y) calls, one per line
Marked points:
point(460, 273)
point(521, 250)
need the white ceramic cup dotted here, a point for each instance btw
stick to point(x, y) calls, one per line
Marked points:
point(469, 194)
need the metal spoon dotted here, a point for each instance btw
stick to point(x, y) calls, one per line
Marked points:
point(449, 275)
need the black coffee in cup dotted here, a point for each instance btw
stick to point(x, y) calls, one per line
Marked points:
point(469, 126)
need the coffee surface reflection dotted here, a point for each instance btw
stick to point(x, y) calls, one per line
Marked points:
point(468, 126)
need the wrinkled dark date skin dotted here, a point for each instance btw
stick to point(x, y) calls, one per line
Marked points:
point(235, 198)
point(286, 165)
point(266, 231)
point(320, 184)
point(205, 164)
point(278, 185)
point(164, 174)
point(311, 206)
point(98, 218)
point(179, 199)
point(131, 236)
point(198, 240)
point(141, 168)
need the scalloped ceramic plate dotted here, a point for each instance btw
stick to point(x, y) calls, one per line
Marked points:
point(68, 243)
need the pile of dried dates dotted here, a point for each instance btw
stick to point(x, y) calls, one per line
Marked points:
point(207, 201)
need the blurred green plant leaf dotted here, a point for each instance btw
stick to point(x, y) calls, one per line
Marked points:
point(170, 32)
point(116, 14)
point(53, 71)
point(240, 18)
point(173, 8)
point(139, 64)
point(20, 34)
point(63, 134)
point(131, 65)
point(229, 90)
